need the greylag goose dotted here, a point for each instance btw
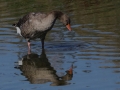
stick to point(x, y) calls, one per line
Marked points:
point(36, 25)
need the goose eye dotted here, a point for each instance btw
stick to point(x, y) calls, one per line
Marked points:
point(67, 21)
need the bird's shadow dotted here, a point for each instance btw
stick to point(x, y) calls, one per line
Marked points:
point(38, 70)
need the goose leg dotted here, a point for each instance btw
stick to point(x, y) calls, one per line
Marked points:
point(29, 47)
point(42, 41)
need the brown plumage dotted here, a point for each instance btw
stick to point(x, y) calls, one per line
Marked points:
point(36, 25)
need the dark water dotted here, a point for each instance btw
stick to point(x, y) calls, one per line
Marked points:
point(87, 58)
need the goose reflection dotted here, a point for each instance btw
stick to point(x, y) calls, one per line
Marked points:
point(38, 70)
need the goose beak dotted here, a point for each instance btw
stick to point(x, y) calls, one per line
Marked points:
point(68, 27)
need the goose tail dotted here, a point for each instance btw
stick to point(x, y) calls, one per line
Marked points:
point(14, 24)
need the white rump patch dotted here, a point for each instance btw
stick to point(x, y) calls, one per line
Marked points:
point(18, 31)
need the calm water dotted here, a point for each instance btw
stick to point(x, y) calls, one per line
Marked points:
point(87, 58)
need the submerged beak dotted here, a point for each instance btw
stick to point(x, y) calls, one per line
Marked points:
point(68, 27)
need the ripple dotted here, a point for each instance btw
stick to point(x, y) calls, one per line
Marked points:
point(66, 46)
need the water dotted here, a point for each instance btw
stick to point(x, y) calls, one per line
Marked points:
point(87, 58)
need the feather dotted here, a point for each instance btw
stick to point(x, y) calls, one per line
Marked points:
point(18, 31)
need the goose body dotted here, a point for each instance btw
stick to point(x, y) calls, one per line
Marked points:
point(36, 25)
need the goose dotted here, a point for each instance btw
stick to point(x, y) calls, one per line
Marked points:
point(36, 25)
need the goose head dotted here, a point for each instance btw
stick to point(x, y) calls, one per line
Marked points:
point(66, 21)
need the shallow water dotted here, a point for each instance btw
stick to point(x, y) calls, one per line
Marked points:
point(87, 58)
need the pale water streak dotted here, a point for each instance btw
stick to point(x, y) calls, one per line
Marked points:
point(87, 58)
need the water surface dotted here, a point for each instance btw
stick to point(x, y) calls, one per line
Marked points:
point(87, 58)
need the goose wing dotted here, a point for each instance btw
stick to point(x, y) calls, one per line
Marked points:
point(30, 18)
